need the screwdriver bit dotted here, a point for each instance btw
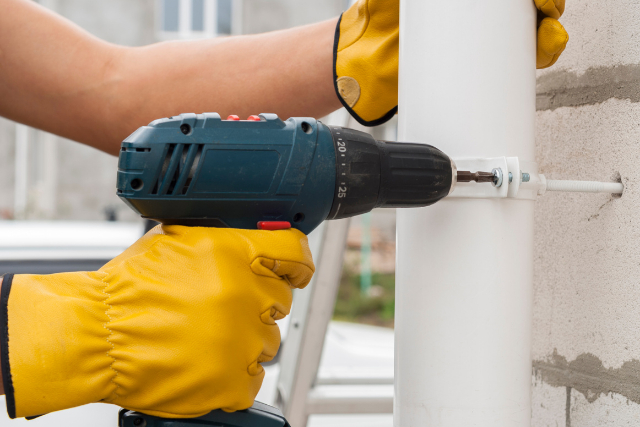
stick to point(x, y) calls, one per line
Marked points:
point(466, 176)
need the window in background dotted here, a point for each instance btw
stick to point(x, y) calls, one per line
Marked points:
point(170, 10)
point(194, 19)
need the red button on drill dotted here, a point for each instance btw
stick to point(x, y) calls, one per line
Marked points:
point(274, 225)
point(254, 118)
point(233, 117)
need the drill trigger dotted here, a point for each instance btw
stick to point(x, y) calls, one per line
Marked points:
point(274, 225)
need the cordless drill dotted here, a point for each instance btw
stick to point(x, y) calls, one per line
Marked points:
point(265, 173)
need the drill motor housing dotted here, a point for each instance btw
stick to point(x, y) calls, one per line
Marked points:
point(200, 170)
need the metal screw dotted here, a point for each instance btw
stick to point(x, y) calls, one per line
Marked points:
point(497, 177)
point(510, 177)
point(139, 422)
point(525, 177)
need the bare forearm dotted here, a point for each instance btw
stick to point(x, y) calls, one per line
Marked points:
point(56, 77)
point(53, 75)
point(286, 72)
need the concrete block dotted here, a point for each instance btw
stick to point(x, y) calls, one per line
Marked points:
point(547, 405)
point(587, 268)
point(601, 34)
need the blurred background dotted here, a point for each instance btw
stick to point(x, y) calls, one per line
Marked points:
point(59, 210)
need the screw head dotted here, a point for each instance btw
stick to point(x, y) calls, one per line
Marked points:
point(139, 422)
point(497, 177)
point(185, 129)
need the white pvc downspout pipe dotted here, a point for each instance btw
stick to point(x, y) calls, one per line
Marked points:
point(465, 267)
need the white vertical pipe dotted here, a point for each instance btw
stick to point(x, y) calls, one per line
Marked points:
point(464, 267)
point(21, 172)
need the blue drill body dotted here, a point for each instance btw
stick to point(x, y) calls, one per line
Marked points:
point(201, 170)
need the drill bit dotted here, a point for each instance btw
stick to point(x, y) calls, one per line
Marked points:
point(466, 176)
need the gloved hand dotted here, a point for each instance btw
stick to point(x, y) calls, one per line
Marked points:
point(365, 60)
point(175, 326)
point(552, 37)
point(366, 55)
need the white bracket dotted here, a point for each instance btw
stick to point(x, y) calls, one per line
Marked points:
point(514, 184)
point(474, 190)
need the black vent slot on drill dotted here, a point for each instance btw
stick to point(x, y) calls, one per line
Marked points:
point(191, 169)
point(179, 168)
point(163, 170)
point(176, 174)
point(181, 179)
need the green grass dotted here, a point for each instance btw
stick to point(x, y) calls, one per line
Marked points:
point(352, 306)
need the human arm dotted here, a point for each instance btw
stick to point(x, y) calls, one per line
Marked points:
point(57, 77)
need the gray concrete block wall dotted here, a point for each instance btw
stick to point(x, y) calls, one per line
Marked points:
point(586, 343)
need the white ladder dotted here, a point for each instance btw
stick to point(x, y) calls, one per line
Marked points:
point(300, 393)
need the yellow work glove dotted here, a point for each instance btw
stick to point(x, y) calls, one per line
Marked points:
point(552, 37)
point(175, 326)
point(365, 58)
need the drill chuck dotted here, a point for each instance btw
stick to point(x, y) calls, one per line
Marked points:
point(377, 174)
